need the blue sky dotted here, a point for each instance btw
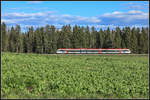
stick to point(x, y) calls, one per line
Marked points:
point(98, 13)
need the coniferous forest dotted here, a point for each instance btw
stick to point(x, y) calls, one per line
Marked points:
point(48, 39)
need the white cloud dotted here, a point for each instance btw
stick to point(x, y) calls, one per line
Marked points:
point(132, 17)
point(22, 14)
point(66, 15)
point(135, 6)
point(127, 16)
point(117, 12)
point(49, 17)
point(34, 2)
point(94, 20)
point(8, 21)
point(135, 11)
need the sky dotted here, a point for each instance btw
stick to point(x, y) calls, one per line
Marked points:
point(101, 14)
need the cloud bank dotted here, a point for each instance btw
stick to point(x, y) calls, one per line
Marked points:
point(116, 18)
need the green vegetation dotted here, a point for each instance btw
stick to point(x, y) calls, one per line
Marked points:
point(74, 76)
point(46, 40)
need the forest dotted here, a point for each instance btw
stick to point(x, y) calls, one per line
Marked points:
point(46, 40)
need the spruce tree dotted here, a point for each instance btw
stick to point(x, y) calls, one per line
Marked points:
point(134, 42)
point(38, 40)
point(127, 37)
point(53, 39)
point(18, 42)
point(93, 37)
point(108, 39)
point(123, 38)
point(76, 37)
point(144, 40)
point(87, 37)
point(30, 39)
point(117, 39)
point(47, 39)
point(4, 37)
point(12, 40)
point(101, 38)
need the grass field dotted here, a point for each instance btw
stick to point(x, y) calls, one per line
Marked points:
point(74, 76)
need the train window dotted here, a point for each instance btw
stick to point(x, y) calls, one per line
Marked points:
point(115, 51)
point(92, 50)
point(125, 50)
point(74, 50)
point(63, 51)
point(110, 50)
point(83, 50)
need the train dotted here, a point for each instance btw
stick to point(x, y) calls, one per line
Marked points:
point(93, 51)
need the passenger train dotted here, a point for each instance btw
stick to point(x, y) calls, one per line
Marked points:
point(92, 51)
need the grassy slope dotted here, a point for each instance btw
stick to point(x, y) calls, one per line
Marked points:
point(69, 76)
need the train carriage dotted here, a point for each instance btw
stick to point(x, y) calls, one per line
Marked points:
point(92, 51)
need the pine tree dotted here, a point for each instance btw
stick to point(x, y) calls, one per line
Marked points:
point(82, 37)
point(39, 47)
point(30, 39)
point(65, 39)
point(12, 40)
point(4, 37)
point(108, 39)
point(144, 41)
point(127, 37)
point(76, 37)
point(25, 43)
point(47, 39)
point(101, 38)
point(123, 38)
point(53, 39)
point(117, 39)
point(134, 42)
point(97, 39)
point(93, 37)
point(87, 37)
point(18, 43)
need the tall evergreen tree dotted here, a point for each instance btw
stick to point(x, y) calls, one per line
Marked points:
point(65, 39)
point(87, 37)
point(123, 38)
point(53, 39)
point(30, 39)
point(117, 39)
point(12, 40)
point(144, 41)
point(93, 37)
point(82, 38)
point(25, 42)
point(4, 37)
point(39, 48)
point(97, 39)
point(19, 42)
point(134, 42)
point(48, 39)
point(127, 37)
point(76, 37)
point(101, 38)
point(108, 39)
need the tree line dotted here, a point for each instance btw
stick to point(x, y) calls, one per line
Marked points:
point(48, 39)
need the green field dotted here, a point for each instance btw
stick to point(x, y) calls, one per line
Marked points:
point(74, 76)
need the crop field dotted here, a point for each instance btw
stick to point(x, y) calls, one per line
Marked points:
point(74, 76)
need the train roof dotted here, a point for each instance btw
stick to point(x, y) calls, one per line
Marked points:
point(93, 49)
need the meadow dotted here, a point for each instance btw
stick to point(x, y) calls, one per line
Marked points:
point(74, 76)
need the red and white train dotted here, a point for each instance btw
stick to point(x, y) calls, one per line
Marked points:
point(92, 51)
